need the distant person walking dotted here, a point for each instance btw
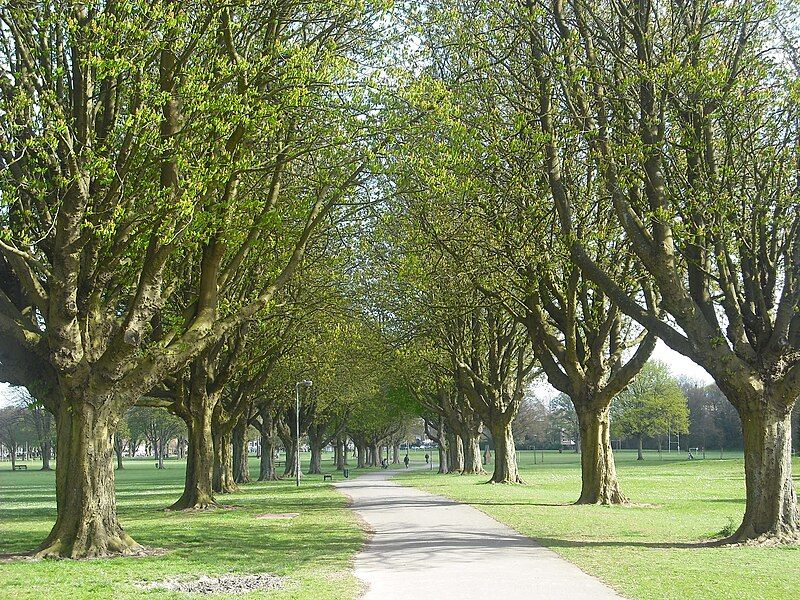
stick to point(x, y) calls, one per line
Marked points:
point(426, 459)
point(406, 461)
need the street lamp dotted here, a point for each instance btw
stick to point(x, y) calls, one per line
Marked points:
point(305, 383)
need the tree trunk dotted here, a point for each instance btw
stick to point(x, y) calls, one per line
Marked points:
point(771, 513)
point(160, 450)
point(87, 524)
point(315, 464)
point(396, 453)
point(373, 456)
point(197, 489)
point(12, 451)
point(505, 455)
point(266, 471)
point(222, 477)
point(241, 468)
point(472, 455)
point(47, 450)
point(118, 450)
point(442, 454)
point(599, 483)
point(456, 463)
point(640, 456)
point(361, 453)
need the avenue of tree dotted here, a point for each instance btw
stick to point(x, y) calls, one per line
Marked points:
point(421, 208)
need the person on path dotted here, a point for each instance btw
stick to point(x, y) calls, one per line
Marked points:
point(426, 459)
point(406, 461)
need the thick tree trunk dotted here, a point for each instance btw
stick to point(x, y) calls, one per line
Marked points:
point(505, 455)
point(197, 489)
point(361, 456)
point(599, 483)
point(640, 456)
point(87, 524)
point(456, 454)
point(12, 451)
point(396, 453)
point(315, 463)
point(241, 468)
point(118, 450)
point(160, 451)
point(288, 448)
point(266, 471)
point(472, 455)
point(222, 477)
point(47, 451)
point(442, 446)
point(771, 513)
point(374, 455)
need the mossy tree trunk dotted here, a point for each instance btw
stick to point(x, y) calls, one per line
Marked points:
point(771, 510)
point(241, 468)
point(222, 474)
point(472, 454)
point(266, 471)
point(505, 454)
point(87, 524)
point(599, 484)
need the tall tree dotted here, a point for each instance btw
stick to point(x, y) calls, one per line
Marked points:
point(685, 118)
point(651, 405)
point(111, 203)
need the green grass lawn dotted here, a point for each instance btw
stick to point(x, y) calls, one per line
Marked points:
point(314, 551)
point(640, 550)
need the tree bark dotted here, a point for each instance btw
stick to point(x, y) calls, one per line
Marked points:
point(197, 489)
point(241, 467)
point(456, 453)
point(315, 463)
point(442, 447)
point(47, 449)
point(771, 513)
point(87, 524)
point(599, 484)
point(222, 476)
point(472, 455)
point(396, 453)
point(505, 454)
point(640, 456)
point(266, 471)
point(375, 455)
point(118, 450)
point(361, 451)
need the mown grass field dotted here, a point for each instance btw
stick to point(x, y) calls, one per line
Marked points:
point(647, 550)
point(314, 551)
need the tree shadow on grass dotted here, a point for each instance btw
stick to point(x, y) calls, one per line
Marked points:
point(565, 543)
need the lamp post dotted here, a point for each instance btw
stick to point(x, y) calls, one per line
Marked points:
point(305, 383)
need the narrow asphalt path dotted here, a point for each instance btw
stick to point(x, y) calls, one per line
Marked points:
point(426, 546)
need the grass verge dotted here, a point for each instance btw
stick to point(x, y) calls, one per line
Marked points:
point(314, 551)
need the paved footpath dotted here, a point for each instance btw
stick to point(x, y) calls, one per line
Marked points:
point(426, 546)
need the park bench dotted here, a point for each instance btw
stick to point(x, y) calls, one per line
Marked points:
point(20, 467)
point(327, 476)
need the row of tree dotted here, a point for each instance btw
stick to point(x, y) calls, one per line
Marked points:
point(585, 177)
point(202, 205)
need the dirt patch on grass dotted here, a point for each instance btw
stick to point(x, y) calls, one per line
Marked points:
point(224, 584)
point(278, 516)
